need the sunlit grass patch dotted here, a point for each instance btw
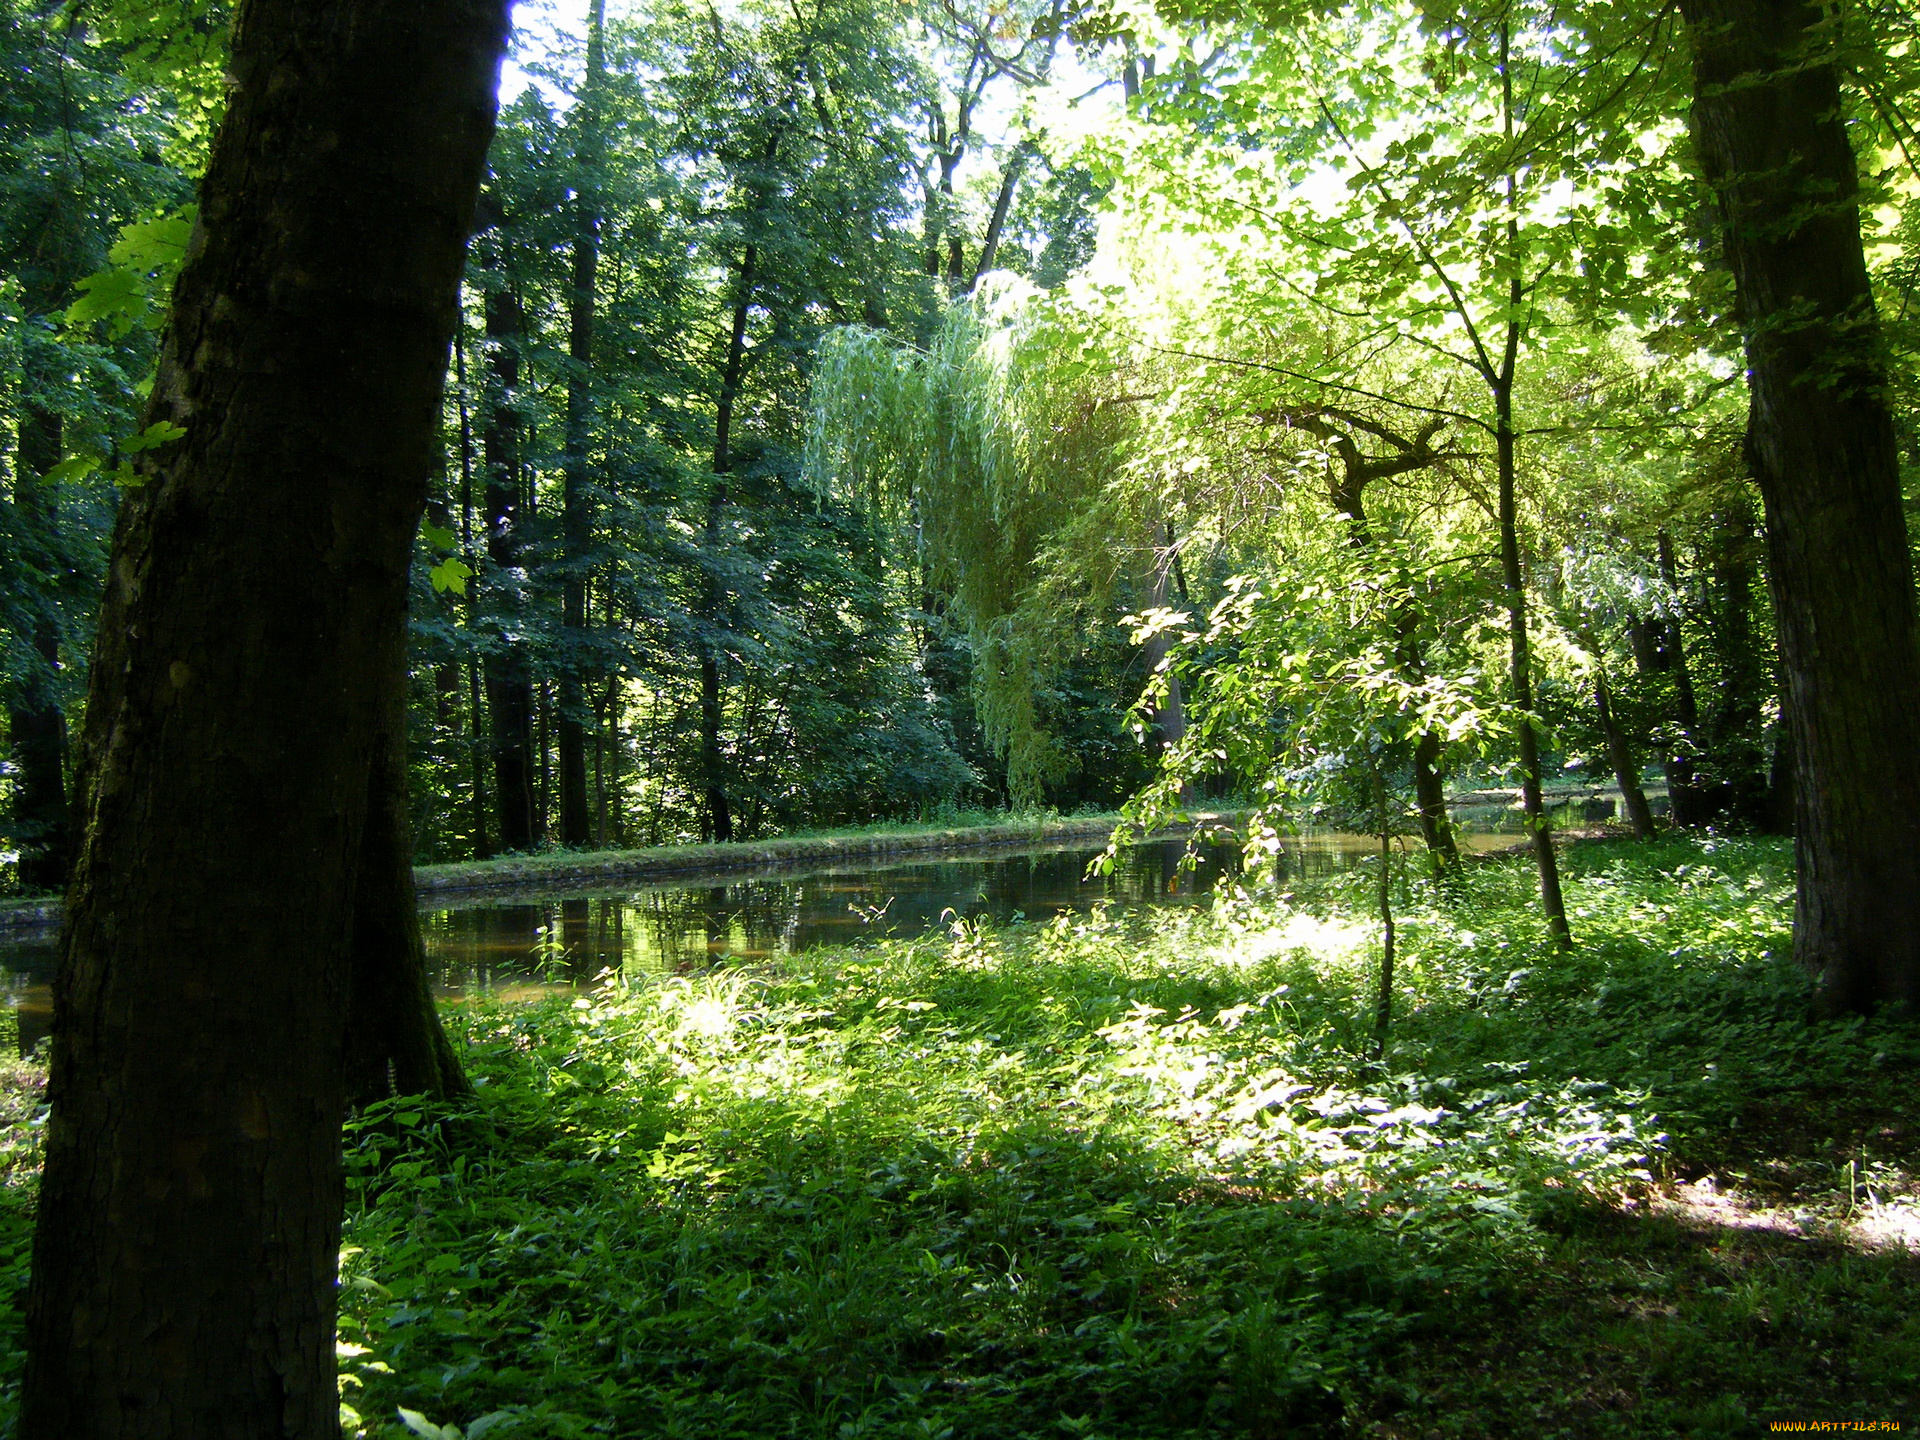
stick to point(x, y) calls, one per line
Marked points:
point(1111, 1176)
point(1143, 1176)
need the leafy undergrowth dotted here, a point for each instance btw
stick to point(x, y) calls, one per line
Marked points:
point(1093, 1179)
point(1125, 1178)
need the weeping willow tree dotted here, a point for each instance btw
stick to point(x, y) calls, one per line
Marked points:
point(1001, 447)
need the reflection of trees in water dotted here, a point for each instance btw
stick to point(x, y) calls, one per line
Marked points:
point(572, 939)
point(680, 930)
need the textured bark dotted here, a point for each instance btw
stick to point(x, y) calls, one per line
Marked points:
point(394, 1043)
point(476, 723)
point(1768, 122)
point(1735, 782)
point(509, 679)
point(1519, 649)
point(36, 724)
point(997, 223)
point(576, 521)
point(1430, 799)
point(1383, 1005)
point(188, 1226)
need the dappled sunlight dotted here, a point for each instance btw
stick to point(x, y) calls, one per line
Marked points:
point(1144, 1168)
point(1886, 1216)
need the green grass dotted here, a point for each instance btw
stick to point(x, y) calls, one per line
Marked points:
point(1129, 1179)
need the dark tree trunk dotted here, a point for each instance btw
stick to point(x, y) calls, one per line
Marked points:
point(476, 740)
point(576, 520)
point(1736, 755)
point(1430, 798)
point(543, 756)
point(1348, 492)
point(1686, 803)
point(189, 1216)
point(509, 677)
point(712, 756)
point(1383, 1006)
point(1520, 659)
point(997, 224)
point(476, 719)
point(394, 1043)
point(1769, 123)
point(1781, 777)
point(1626, 769)
point(36, 723)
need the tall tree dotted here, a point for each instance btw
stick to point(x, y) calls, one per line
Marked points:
point(80, 158)
point(36, 724)
point(1771, 131)
point(576, 521)
point(508, 671)
point(251, 644)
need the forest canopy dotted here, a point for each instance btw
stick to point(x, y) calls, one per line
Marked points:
point(854, 409)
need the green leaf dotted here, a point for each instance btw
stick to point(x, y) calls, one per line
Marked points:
point(425, 1428)
point(132, 289)
point(116, 296)
point(438, 535)
point(162, 432)
point(451, 574)
point(74, 467)
point(154, 245)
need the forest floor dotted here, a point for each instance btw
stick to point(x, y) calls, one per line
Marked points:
point(1138, 1176)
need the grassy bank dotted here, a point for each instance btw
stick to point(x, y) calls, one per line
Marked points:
point(1141, 1179)
point(864, 843)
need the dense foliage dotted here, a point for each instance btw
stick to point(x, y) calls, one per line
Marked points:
point(763, 506)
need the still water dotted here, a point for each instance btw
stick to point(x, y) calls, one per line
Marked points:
point(533, 943)
point(666, 929)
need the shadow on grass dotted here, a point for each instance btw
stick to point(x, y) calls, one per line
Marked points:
point(1092, 1180)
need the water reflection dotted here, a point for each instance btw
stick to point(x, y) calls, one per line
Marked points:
point(666, 929)
point(532, 945)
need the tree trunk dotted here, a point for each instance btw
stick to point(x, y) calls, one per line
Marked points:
point(509, 678)
point(1520, 663)
point(712, 757)
point(1383, 1006)
point(476, 739)
point(1769, 123)
point(394, 1043)
point(1348, 493)
point(36, 723)
point(476, 720)
point(996, 226)
point(1626, 769)
point(1736, 755)
point(1170, 715)
point(1430, 799)
point(189, 1216)
point(576, 521)
point(1686, 805)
